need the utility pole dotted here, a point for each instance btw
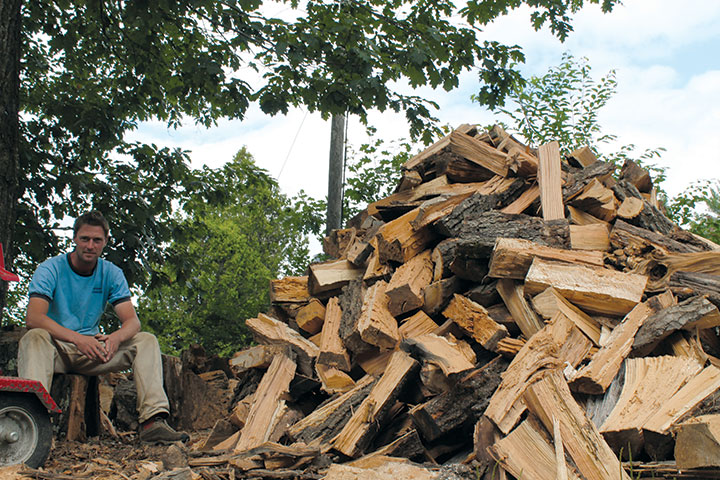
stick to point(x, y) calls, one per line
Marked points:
point(336, 170)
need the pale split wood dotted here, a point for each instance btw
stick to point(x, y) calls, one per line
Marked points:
point(561, 465)
point(598, 200)
point(376, 324)
point(428, 188)
point(398, 241)
point(441, 351)
point(584, 156)
point(641, 397)
point(550, 397)
point(513, 295)
point(579, 217)
point(479, 153)
point(596, 376)
point(289, 289)
point(525, 199)
point(333, 380)
point(630, 208)
point(405, 290)
point(684, 400)
point(332, 350)
point(522, 163)
point(558, 342)
point(375, 270)
point(310, 317)
point(418, 324)
point(358, 431)
point(271, 331)
point(686, 344)
point(595, 236)
point(269, 401)
point(550, 181)
point(551, 301)
point(527, 453)
point(259, 356)
point(597, 290)
point(332, 275)
point(512, 257)
point(436, 147)
point(475, 321)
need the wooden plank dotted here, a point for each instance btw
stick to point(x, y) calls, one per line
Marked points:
point(596, 290)
point(550, 181)
point(405, 290)
point(268, 403)
point(550, 398)
point(512, 257)
point(369, 416)
point(289, 289)
point(513, 295)
point(376, 324)
point(332, 350)
point(310, 318)
point(596, 376)
point(474, 320)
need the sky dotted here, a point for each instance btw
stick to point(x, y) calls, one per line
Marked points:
point(666, 55)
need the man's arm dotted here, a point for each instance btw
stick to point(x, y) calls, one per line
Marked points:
point(36, 317)
point(129, 327)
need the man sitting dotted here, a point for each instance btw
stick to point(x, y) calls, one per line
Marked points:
point(68, 295)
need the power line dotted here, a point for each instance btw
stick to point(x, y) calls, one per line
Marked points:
point(292, 145)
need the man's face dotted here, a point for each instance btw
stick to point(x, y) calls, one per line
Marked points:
point(89, 243)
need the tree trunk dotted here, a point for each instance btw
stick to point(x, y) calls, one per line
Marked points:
point(9, 129)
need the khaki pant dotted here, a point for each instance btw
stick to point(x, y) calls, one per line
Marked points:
point(39, 356)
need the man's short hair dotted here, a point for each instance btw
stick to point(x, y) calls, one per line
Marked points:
point(93, 218)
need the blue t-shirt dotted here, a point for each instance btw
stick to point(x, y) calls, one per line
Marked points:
point(77, 301)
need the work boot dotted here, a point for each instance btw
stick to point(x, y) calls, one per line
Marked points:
point(158, 431)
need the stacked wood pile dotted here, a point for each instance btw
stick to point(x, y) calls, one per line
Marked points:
point(506, 307)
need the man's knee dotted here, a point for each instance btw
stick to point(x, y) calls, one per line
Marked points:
point(35, 338)
point(145, 340)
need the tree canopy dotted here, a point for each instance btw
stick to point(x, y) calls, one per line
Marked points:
point(77, 76)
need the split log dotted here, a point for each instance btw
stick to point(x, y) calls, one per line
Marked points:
point(522, 163)
point(409, 197)
point(685, 344)
point(375, 270)
point(332, 350)
point(641, 397)
point(332, 275)
point(595, 237)
point(558, 342)
point(584, 156)
point(597, 200)
point(660, 267)
point(579, 217)
point(527, 453)
point(685, 285)
point(648, 217)
point(268, 404)
point(259, 356)
point(460, 258)
point(337, 243)
point(596, 376)
point(273, 332)
point(439, 351)
point(550, 181)
point(550, 301)
point(409, 180)
point(437, 295)
point(474, 320)
point(351, 302)
point(513, 295)
point(576, 183)
point(460, 406)
point(684, 401)
point(512, 257)
point(78, 398)
point(637, 176)
point(697, 443)
point(310, 318)
point(479, 153)
point(597, 290)
point(418, 324)
point(370, 414)
point(405, 290)
point(398, 242)
point(521, 203)
point(693, 313)
point(289, 290)
point(376, 325)
point(327, 420)
point(422, 157)
point(636, 240)
point(549, 398)
point(630, 208)
point(333, 380)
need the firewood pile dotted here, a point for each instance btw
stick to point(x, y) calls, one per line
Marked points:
point(531, 315)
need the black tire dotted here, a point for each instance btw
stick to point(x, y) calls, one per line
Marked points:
point(32, 421)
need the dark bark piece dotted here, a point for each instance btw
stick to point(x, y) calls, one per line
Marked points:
point(640, 240)
point(438, 294)
point(575, 183)
point(79, 399)
point(351, 302)
point(462, 405)
point(636, 175)
point(475, 206)
point(485, 294)
point(650, 217)
point(691, 313)
point(685, 285)
point(460, 257)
